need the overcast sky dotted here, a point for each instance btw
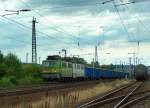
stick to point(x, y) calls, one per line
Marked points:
point(62, 24)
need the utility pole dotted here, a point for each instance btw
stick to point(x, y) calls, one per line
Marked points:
point(34, 51)
point(39, 60)
point(121, 67)
point(133, 64)
point(134, 59)
point(132, 73)
point(130, 67)
point(65, 51)
point(93, 67)
point(96, 56)
point(138, 51)
point(79, 36)
point(27, 54)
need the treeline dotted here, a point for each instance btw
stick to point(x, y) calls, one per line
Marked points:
point(97, 65)
point(14, 73)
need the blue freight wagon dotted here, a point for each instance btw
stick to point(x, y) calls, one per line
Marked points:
point(97, 73)
point(89, 73)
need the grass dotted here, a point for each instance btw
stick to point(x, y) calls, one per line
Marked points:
point(67, 98)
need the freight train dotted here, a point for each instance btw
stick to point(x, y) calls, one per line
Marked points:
point(141, 72)
point(56, 68)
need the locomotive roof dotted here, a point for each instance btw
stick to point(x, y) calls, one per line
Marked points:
point(67, 59)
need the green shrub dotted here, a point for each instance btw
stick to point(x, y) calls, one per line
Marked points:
point(27, 80)
point(13, 64)
point(32, 69)
point(32, 74)
point(14, 80)
point(13, 73)
point(3, 69)
point(12, 60)
point(1, 57)
point(6, 82)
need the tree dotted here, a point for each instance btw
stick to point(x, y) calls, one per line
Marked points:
point(109, 67)
point(95, 64)
point(2, 65)
point(13, 65)
point(32, 74)
point(1, 57)
point(32, 69)
point(12, 60)
point(3, 69)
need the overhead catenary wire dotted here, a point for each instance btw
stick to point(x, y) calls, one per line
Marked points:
point(12, 38)
point(49, 36)
point(77, 38)
point(44, 34)
point(125, 4)
point(79, 6)
point(121, 20)
point(72, 36)
point(24, 26)
point(133, 34)
point(20, 41)
point(129, 26)
point(55, 28)
point(138, 19)
point(70, 6)
point(69, 35)
point(131, 12)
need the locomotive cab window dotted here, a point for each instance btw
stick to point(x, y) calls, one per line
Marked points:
point(54, 64)
point(46, 63)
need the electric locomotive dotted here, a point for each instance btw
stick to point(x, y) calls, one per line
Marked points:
point(57, 68)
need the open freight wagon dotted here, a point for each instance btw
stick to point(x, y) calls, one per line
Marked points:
point(97, 73)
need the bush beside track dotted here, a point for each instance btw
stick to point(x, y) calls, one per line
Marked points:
point(13, 73)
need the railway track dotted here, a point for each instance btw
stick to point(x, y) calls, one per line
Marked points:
point(43, 87)
point(120, 98)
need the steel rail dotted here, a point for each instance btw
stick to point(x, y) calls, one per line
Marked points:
point(127, 96)
point(103, 102)
point(104, 96)
point(134, 101)
point(43, 88)
point(113, 99)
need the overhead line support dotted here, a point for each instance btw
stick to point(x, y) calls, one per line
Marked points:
point(124, 3)
point(34, 50)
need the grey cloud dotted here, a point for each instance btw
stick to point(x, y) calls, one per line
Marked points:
point(74, 6)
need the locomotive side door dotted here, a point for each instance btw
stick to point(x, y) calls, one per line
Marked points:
point(74, 70)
